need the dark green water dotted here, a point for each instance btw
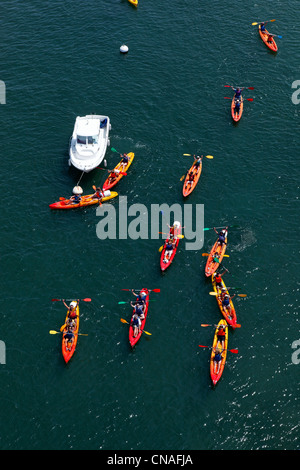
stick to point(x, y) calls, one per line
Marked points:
point(164, 98)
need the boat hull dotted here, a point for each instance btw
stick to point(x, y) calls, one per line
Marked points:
point(134, 339)
point(188, 188)
point(211, 265)
point(230, 318)
point(68, 354)
point(216, 374)
point(264, 36)
point(164, 265)
point(236, 116)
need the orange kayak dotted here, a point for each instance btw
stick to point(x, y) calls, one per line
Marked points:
point(68, 348)
point(188, 187)
point(87, 200)
point(110, 182)
point(235, 115)
point(264, 35)
point(216, 369)
point(218, 251)
point(229, 316)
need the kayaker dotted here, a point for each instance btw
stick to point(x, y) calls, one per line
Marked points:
point(72, 313)
point(98, 194)
point(262, 27)
point(226, 303)
point(138, 309)
point(237, 106)
point(222, 236)
point(216, 257)
point(124, 161)
point(218, 280)
point(198, 161)
point(168, 250)
point(221, 333)
point(136, 324)
point(237, 91)
point(270, 38)
point(69, 338)
point(75, 199)
point(140, 298)
point(217, 360)
point(191, 178)
point(114, 174)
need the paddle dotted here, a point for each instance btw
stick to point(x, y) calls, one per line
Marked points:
point(53, 332)
point(150, 290)
point(205, 324)
point(209, 347)
point(129, 301)
point(244, 99)
point(206, 156)
point(239, 295)
point(114, 150)
point(69, 300)
point(121, 172)
point(207, 254)
point(229, 226)
point(241, 87)
point(143, 331)
point(259, 22)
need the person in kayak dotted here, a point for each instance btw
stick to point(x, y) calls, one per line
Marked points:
point(217, 276)
point(191, 178)
point(198, 161)
point(238, 92)
point(138, 309)
point(237, 106)
point(217, 360)
point(270, 38)
point(262, 27)
point(72, 312)
point(168, 250)
point(222, 236)
point(140, 298)
point(114, 174)
point(221, 333)
point(226, 303)
point(136, 324)
point(98, 194)
point(125, 160)
point(75, 199)
point(69, 338)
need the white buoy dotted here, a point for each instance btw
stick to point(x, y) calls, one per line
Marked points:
point(124, 49)
point(77, 190)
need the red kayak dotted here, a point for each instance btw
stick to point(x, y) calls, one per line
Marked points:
point(167, 256)
point(134, 339)
point(236, 116)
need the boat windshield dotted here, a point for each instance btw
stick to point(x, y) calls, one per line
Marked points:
point(93, 139)
point(81, 139)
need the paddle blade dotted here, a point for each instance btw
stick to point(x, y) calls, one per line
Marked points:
point(213, 293)
point(155, 290)
point(187, 154)
point(161, 248)
point(53, 332)
point(209, 156)
point(235, 351)
point(147, 333)
point(114, 150)
point(124, 321)
point(205, 254)
point(86, 300)
point(201, 346)
point(242, 295)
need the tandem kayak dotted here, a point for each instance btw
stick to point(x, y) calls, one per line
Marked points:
point(166, 257)
point(134, 339)
point(229, 316)
point(188, 187)
point(68, 349)
point(264, 36)
point(236, 116)
point(216, 368)
point(111, 182)
point(216, 251)
point(87, 200)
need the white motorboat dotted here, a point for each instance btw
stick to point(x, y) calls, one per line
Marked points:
point(89, 141)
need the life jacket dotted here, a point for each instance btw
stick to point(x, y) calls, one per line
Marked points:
point(218, 278)
point(221, 332)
